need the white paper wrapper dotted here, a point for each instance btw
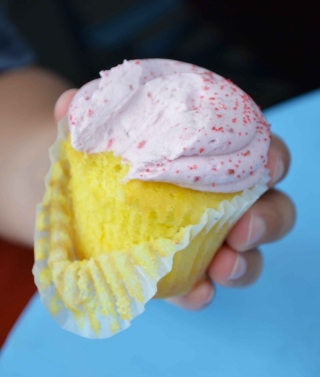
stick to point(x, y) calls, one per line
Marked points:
point(111, 303)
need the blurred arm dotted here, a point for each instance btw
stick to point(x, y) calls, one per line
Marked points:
point(27, 129)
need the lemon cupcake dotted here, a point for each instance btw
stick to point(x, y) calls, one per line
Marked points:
point(153, 165)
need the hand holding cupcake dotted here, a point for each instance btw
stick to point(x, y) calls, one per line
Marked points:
point(162, 160)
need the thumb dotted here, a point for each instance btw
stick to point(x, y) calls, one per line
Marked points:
point(62, 104)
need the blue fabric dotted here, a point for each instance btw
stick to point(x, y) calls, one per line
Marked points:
point(128, 24)
point(14, 51)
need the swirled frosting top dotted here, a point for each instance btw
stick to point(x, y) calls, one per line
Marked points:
point(173, 122)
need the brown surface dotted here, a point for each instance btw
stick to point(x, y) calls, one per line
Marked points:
point(16, 284)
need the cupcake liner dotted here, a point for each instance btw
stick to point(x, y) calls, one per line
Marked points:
point(98, 297)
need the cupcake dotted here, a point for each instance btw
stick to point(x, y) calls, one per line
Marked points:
point(153, 165)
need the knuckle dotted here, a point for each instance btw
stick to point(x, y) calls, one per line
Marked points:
point(279, 213)
point(280, 146)
point(279, 160)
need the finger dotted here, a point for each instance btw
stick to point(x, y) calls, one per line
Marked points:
point(269, 219)
point(232, 269)
point(62, 104)
point(278, 160)
point(200, 296)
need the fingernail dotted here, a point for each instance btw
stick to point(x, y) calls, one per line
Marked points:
point(239, 268)
point(279, 170)
point(257, 228)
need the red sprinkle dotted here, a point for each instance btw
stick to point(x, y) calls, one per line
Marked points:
point(141, 144)
point(201, 150)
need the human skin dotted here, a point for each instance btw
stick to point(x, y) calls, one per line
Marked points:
point(27, 127)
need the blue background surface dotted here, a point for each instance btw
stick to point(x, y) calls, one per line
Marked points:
point(269, 329)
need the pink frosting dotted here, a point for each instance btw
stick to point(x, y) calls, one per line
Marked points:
point(173, 122)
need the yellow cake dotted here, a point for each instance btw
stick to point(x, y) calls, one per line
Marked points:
point(105, 245)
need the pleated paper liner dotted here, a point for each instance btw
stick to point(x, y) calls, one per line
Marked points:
point(98, 297)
